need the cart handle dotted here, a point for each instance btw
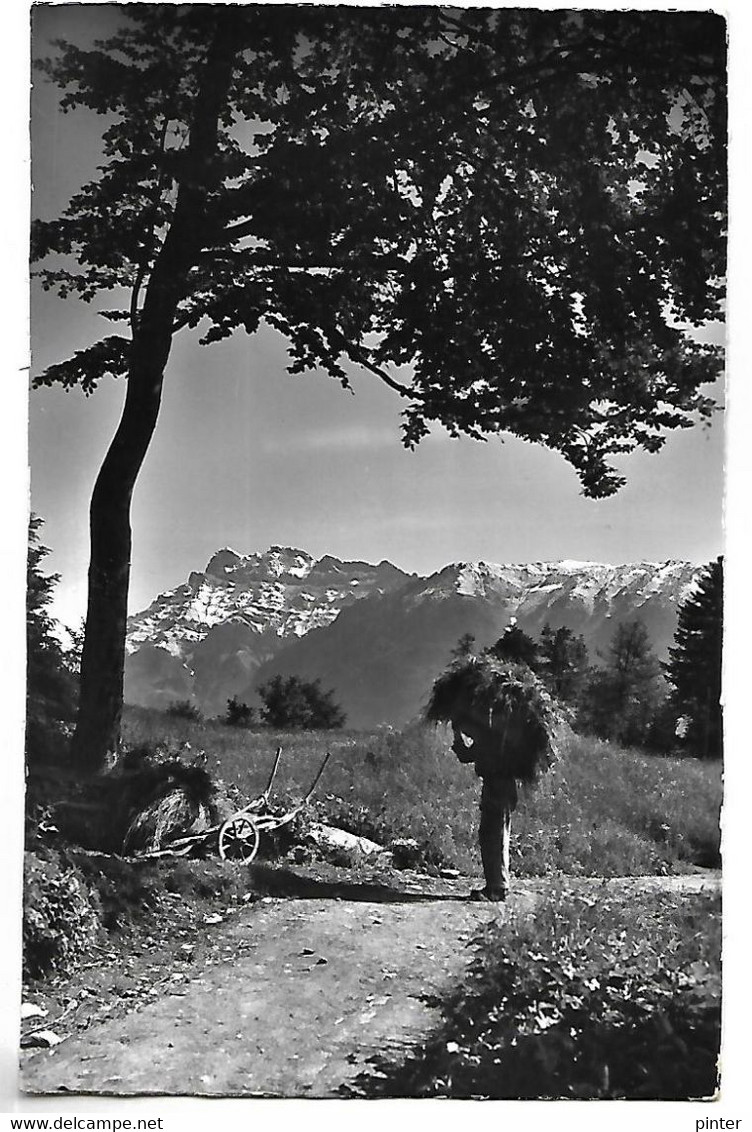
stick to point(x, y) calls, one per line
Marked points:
point(302, 804)
point(315, 782)
point(277, 757)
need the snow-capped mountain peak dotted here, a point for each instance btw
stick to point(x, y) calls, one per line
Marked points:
point(207, 638)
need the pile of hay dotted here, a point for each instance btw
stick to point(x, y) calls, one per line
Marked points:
point(168, 800)
point(508, 699)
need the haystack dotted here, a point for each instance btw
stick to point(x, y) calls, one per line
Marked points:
point(508, 699)
point(169, 801)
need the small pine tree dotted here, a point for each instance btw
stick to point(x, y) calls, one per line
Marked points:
point(464, 647)
point(51, 687)
point(293, 703)
point(694, 666)
point(562, 662)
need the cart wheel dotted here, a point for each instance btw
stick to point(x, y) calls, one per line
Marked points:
point(239, 839)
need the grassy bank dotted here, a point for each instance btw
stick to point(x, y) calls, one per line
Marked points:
point(602, 998)
point(601, 811)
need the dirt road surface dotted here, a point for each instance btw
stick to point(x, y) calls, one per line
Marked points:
point(300, 994)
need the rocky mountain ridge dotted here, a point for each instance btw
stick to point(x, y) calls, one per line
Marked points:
point(373, 633)
point(202, 639)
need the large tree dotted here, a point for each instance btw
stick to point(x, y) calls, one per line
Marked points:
point(504, 215)
point(695, 664)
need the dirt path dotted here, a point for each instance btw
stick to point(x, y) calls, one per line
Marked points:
point(306, 991)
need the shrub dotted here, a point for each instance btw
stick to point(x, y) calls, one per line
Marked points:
point(61, 916)
point(184, 709)
point(239, 714)
point(295, 703)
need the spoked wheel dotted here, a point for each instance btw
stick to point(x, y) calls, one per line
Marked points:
point(239, 839)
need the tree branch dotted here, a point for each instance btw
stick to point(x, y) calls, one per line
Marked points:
point(148, 247)
point(360, 355)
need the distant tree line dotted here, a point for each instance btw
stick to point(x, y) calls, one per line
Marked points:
point(630, 697)
point(290, 704)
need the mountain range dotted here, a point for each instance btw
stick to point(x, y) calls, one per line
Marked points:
point(374, 634)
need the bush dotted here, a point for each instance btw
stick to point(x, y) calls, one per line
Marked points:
point(61, 916)
point(239, 714)
point(296, 703)
point(184, 709)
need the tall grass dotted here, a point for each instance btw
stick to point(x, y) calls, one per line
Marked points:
point(601, 811)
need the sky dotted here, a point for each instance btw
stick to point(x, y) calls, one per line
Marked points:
point(248, 456)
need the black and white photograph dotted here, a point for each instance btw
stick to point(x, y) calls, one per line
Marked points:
point(374, 724)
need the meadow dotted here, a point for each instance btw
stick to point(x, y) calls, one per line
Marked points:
point(601, 810)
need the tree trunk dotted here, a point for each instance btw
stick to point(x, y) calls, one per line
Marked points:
point(103, 658)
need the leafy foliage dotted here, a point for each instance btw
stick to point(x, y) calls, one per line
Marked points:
point(51, 691)
point(108, 357)
point(60, 914)
point(606, 997)
point(296, 703)
point(694, 666)
point(506, 201)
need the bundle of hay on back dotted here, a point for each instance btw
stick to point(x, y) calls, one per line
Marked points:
point(518, 717)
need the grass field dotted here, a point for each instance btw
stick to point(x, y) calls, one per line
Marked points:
point(601, 811)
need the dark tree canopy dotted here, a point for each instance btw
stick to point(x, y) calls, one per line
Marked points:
point(507, 202)
point(695, 664)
